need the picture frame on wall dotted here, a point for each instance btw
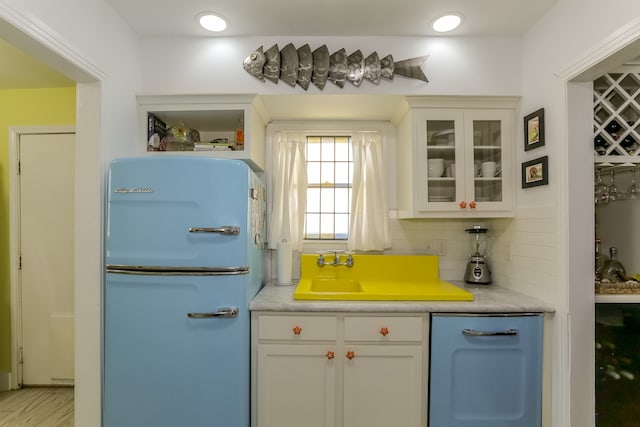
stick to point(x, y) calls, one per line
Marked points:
point(534, 130)
point(535, 172)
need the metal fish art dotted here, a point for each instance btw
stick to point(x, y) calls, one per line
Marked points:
point(302, 66)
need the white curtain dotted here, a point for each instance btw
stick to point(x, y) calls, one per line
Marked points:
point(289, 189)
point(369, 225)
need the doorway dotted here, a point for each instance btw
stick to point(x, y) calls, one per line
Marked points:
point(42, 220)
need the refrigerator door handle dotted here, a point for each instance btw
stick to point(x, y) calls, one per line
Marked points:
point(226, 312)
point(225, 229)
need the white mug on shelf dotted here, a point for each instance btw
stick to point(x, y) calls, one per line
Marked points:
point(488, 169)
point(435, 167)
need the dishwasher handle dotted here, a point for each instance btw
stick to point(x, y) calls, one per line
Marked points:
point(474, 333)
point(225, 230)
point(225, 313)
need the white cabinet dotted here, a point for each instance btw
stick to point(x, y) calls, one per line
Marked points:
point(455, 158)
point(338, 370)
point(229, 126)
point(383, 371)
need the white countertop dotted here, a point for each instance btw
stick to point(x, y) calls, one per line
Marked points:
point(487, 299)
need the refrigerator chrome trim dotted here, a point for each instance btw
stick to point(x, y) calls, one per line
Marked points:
point(153, 270)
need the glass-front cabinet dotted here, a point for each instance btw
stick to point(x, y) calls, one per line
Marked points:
point(456, 161)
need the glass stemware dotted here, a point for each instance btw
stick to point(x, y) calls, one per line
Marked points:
point(633, 192)
point(614, 194)
point(601, 191)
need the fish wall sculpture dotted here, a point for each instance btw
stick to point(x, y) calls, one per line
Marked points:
point(302, 66)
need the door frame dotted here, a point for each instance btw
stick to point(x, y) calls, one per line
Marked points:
point(15, 380)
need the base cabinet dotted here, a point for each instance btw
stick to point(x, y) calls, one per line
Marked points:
point(296, 385)
point(382, 386)
point(339, 370)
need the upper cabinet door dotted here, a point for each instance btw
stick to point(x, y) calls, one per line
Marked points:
point(440, 146)
point(489, 158)
point(456, 162)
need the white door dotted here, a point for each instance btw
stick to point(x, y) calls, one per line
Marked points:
point(46, 194)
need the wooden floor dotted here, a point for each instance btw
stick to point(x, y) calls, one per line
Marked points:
point(37, 407)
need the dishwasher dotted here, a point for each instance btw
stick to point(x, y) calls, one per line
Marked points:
point(486, 370)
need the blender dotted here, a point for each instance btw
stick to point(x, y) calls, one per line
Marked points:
point(477, 271)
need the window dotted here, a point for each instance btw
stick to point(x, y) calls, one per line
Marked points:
point(329, 181)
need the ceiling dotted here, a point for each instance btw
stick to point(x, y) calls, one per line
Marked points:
point(170, 18)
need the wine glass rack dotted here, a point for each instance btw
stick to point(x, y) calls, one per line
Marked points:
point(616, 118)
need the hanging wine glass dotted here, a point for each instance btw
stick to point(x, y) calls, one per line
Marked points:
point(633, 192)
point(614, 194)
point(601, 191)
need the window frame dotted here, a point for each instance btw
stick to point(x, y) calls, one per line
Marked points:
point(331, 185)
point(334, 128)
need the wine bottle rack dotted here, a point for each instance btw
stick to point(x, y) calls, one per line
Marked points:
point(616, 118)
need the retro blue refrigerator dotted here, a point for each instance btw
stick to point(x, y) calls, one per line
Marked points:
point(184, 241)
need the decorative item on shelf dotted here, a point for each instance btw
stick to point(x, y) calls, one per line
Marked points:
point(156, 133)
point(181, 138)
point(240, 137)
point(535, 172)
point(534, 130)
point(302, 66)
point(613, 270)
point(600, 261)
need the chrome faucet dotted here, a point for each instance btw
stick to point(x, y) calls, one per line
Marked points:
point(321, 262)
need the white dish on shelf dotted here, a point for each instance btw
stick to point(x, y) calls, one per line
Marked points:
point(444, 137)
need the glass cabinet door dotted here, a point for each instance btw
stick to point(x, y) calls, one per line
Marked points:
point(443, 158)
point(488, 133)
point(487, 160)
point(464, 160)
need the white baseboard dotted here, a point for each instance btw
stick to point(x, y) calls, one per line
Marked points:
point(5, 381)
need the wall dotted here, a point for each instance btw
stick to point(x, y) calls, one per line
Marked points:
point(455, 66)
point(88, 41)
point(27, 107)
point(559, 216)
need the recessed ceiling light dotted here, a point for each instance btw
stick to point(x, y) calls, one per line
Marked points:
point(448, 22)
point(212, 21)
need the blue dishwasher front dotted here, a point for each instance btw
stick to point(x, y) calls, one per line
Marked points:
point(486, 370)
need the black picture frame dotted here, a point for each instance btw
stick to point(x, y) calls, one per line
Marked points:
point(534, 130)
point(535, 172)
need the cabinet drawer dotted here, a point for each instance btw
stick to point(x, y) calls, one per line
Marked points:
point(382, 328)
point(298, 328)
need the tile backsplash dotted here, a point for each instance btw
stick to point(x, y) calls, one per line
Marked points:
point(443, 237)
